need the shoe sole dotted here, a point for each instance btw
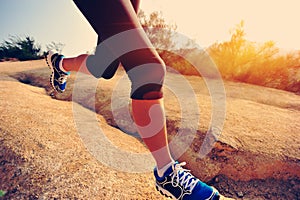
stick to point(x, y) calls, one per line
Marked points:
point(51, 80)
point(166, 193)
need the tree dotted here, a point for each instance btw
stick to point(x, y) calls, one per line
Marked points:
point(20, 48)
point(57, 46)
point(256, 63)
point(159, 32)
point(171, 46)
point(237, 58)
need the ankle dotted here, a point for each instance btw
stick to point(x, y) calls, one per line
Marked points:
point(163, 169)
point(61, 65)
point(76, 64)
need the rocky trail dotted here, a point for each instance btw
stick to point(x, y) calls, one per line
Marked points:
point(43, 156)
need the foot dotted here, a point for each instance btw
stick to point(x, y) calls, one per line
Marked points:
point(179, 183)
point(58, 78)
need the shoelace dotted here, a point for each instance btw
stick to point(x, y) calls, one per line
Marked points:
point(183, 177)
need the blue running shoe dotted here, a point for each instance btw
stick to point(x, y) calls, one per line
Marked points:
point(58, 78)
point(178, 183)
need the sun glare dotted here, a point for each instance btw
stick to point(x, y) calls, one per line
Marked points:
point(210, 21)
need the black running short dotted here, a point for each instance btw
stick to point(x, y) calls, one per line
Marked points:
point(111, 18)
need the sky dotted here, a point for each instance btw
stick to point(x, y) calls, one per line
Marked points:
point(206, 21)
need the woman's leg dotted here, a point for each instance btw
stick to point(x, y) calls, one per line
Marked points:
point(146, 70)
point(152, 127)
point(78, 63)
point(109, 18)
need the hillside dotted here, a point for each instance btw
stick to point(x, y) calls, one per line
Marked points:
point(42, 156)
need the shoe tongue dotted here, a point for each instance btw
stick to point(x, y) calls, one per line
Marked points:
point(168, 171)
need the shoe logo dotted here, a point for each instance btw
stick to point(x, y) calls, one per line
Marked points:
point(62, 79)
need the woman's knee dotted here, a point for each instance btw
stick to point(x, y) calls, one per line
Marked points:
point(147, 80)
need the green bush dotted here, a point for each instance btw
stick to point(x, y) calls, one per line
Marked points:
point(2, 193)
